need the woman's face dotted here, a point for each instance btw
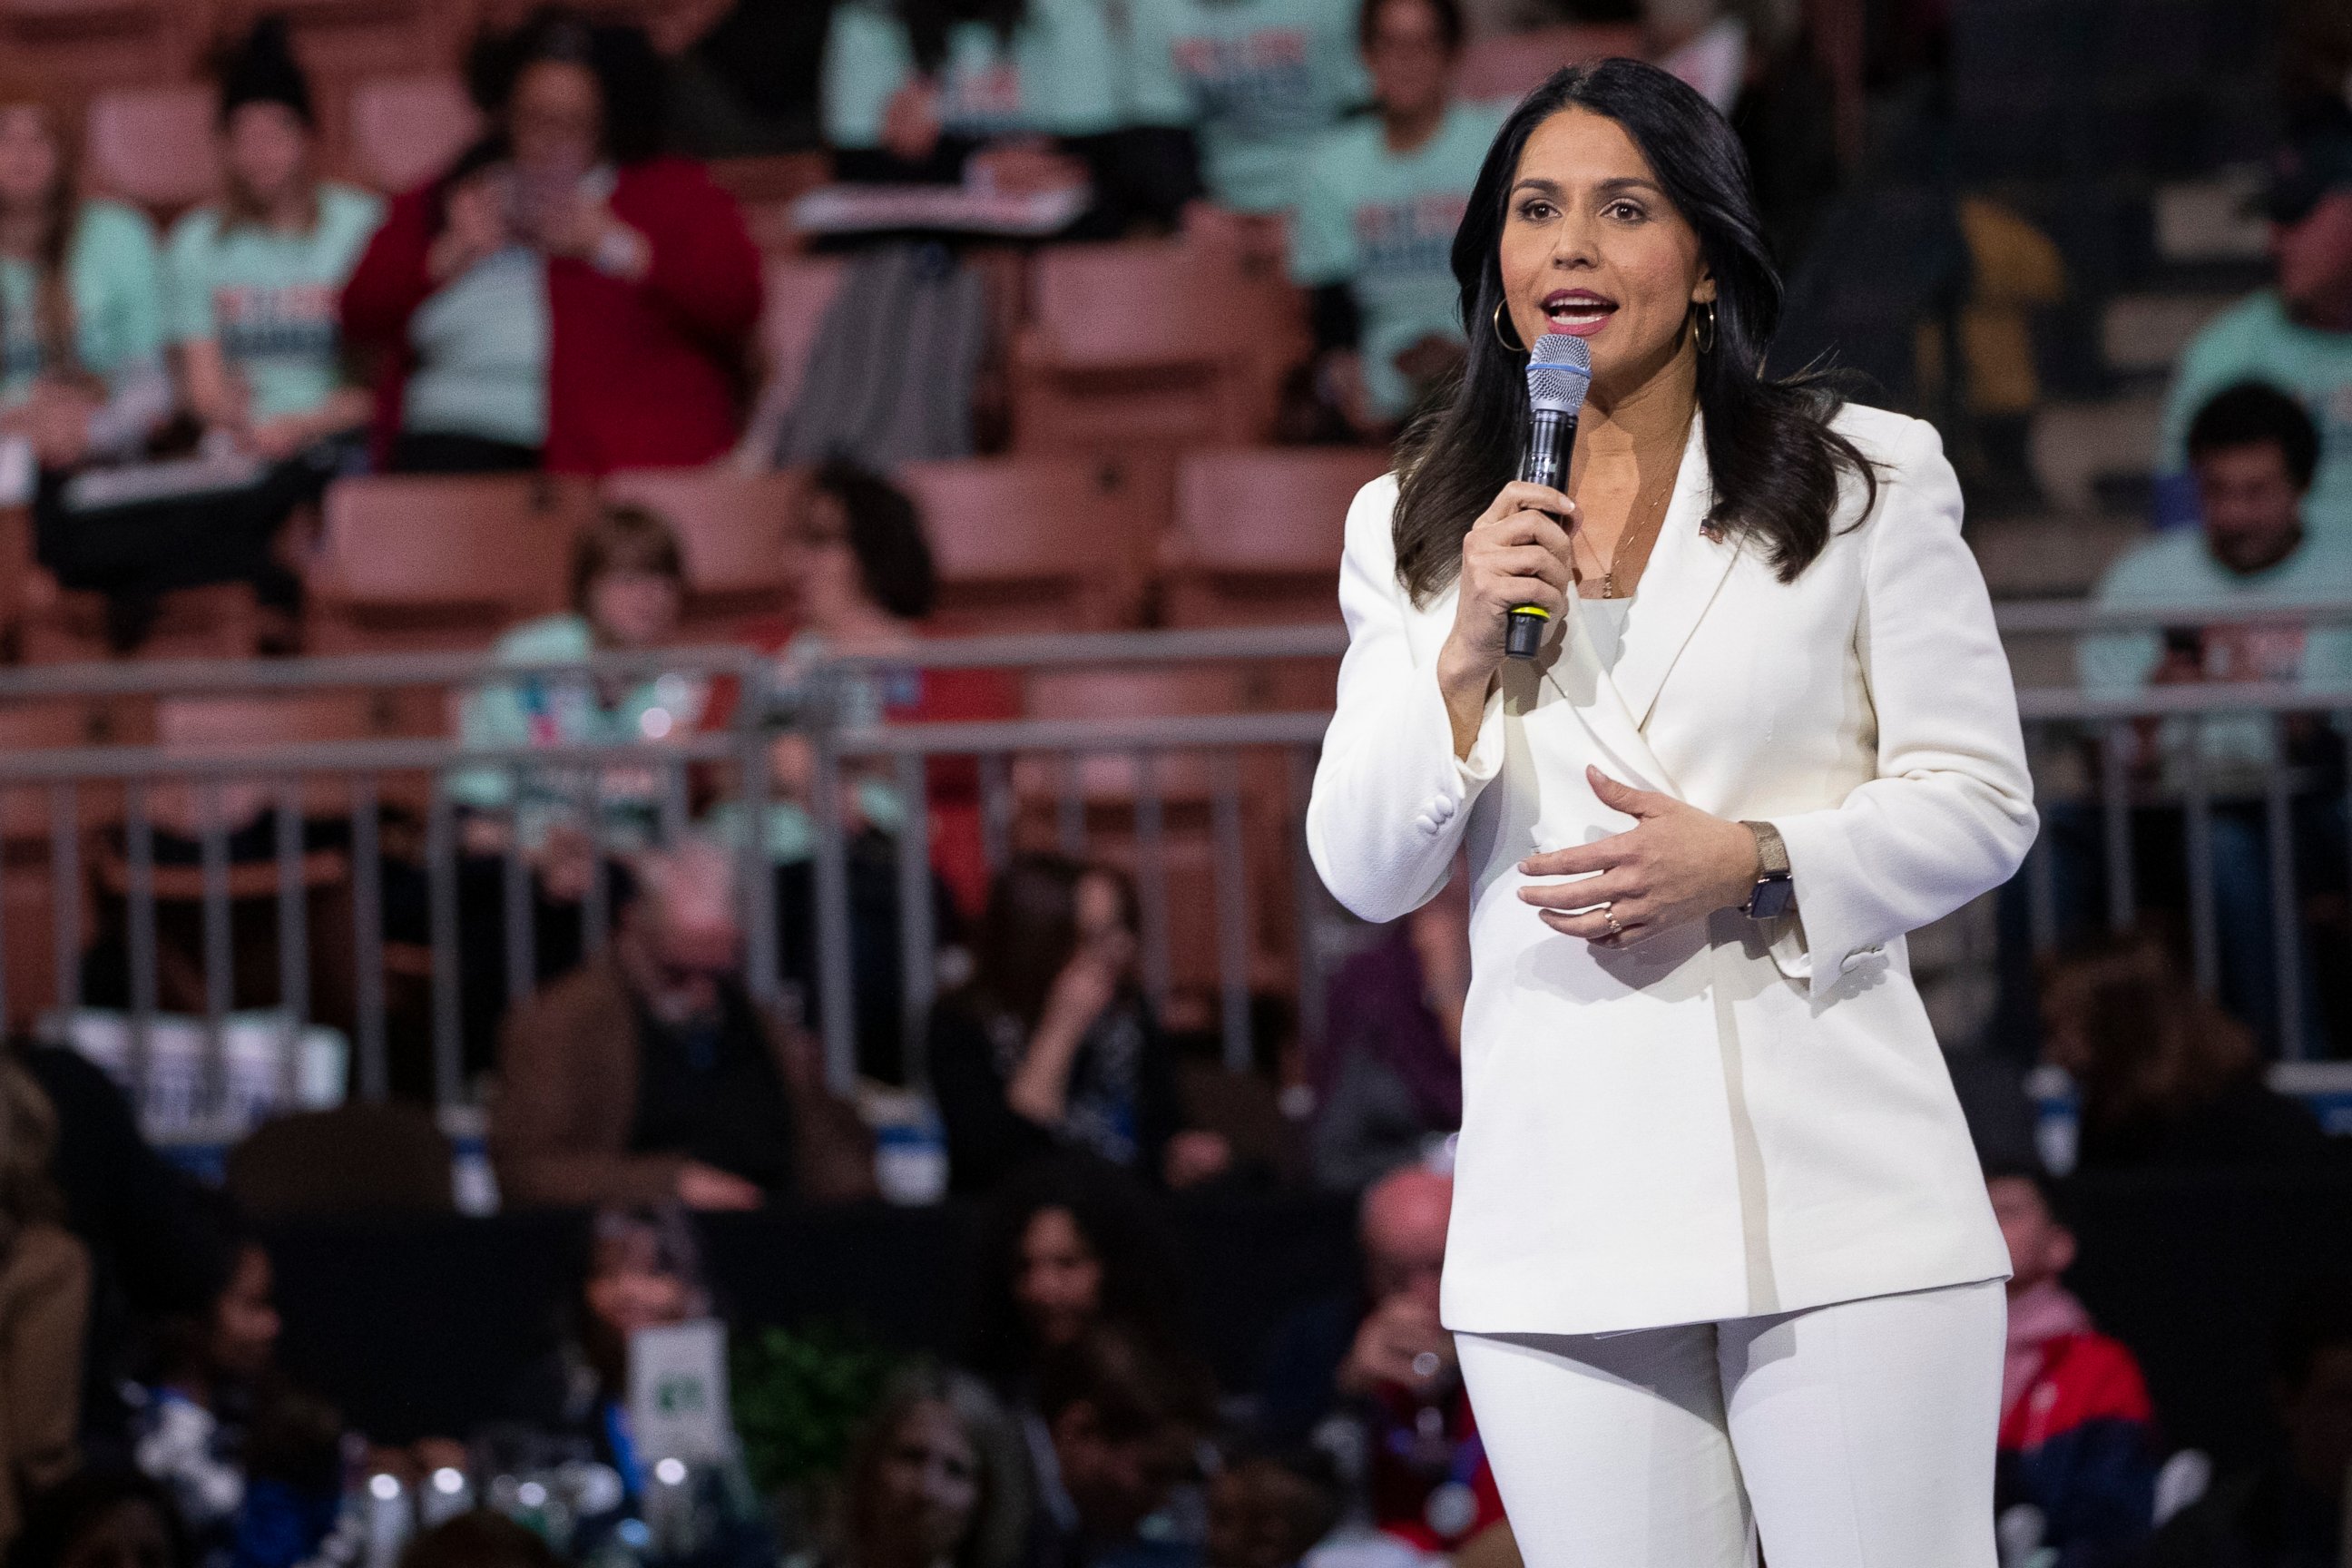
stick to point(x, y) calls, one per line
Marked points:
point(130, 1535)
point(555, 118)
point(930, 1482)
point(244, 1319)
point(629, 1289)
point(28, 155)
point(268, 148)
point(818, 558)
point(632, 608)
point(1411, 68)
point(1059, 1285)
point(1592, 248)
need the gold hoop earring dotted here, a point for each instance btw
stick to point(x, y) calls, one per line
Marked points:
point(1508, 346)
point(1703, 329)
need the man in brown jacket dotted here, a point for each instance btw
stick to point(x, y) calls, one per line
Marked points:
point(648, 1076)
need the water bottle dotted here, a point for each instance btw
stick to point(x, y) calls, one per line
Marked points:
point(2057, 1118)
point(390, 1521)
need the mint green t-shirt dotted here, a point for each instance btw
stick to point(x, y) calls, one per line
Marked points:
point(1383, 222)
point(115, 283)
point(2255, 341)
point(1059, 77)
point(2176, 568)
point(481, 348)
point(1258, 80)
point(269, 298)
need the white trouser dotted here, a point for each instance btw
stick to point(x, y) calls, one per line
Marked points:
point(1853, 1436)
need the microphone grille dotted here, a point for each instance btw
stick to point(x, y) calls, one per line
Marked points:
point(1559, 372)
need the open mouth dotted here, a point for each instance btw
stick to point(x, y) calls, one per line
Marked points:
point(1577, 311)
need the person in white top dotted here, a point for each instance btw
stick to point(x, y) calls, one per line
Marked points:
point(1721, 1263)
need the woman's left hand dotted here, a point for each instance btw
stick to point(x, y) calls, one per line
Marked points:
point(1676, 864)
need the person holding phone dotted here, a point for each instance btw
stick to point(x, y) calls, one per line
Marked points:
point(564, 297)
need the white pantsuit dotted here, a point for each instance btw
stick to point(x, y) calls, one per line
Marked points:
point(1729, 1120)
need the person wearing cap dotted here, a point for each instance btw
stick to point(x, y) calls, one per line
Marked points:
point(565, 297)
point(2295, 334)
point(251, 278)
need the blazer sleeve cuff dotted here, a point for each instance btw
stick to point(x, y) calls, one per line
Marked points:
point(1824, 939)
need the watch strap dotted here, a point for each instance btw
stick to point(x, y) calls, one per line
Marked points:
point(1769, 898)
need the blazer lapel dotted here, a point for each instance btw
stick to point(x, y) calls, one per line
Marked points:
point(1686, 568)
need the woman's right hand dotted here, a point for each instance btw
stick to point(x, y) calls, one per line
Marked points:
point(1516, 554)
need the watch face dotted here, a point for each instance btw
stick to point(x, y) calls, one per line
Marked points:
point(1771, 898)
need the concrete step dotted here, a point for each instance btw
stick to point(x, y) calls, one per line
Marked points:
point(2074, 445)
point(2049, 557)
point(2144, 335)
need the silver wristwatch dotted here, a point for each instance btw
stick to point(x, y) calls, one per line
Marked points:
point(1773, 893)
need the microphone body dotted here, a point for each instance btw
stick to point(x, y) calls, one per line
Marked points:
point(1559, 372)
point(1551, 440)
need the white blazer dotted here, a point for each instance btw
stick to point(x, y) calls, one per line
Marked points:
point(1729, 1120)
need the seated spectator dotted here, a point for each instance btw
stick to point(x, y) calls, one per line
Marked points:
point(2290, 1513)
point(1379, 1358)
point(100, 1519)
point(1123, 1420)
point(2077, 1438)
point(252, 278)
point(2166, 1077)
point(1388, 1074)
point(1380, 204)
point(201, 1389)
point(565, 296)
point(643, 1271)
point(648, 1075)
point(44, 1304)
point(1068, 1247)
point(151, 1253)
point(1256, 81)
point(1052, 1046)
point(2296, 335)
point(936, 1478)
point(2253, 452)
point(1268, 1509)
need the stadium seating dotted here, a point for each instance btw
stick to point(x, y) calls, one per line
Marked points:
point(154, 146)
point(406, 129)
point(1033, 544)
point(731, 526)
point(1258, 533)
point(1508, 66)
point(1151, 342)
point(76, 48)
point(410, 562)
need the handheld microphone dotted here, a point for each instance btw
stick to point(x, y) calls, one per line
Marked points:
point(1559, 372)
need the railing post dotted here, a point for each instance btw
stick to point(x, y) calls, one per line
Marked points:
point(1233, 914)
point(917, 941)
point(2285, 912)
point(835, 989)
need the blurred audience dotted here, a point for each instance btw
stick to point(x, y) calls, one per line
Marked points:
point(44, 1304)
point(2077, 1436)
point(2292, 1512)
point(643, 1271)
point(2296, 335)
point(1257, 82)
point(936, 1478)
point(1065, 1246)
point(252, 278)
point(81, 312)
point(1378, 1359)
point(2166, 1077)
point(1388, 1074)
point(1124, 1421)
point(1267, 1510)
point(480, 1538)
point(109, 1517)
point(1051, 1046)
point(2253, 452)
point(566, 296)
point(650, 1075)
point(1379, 203)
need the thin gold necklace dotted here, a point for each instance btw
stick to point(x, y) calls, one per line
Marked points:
point(1608, 570)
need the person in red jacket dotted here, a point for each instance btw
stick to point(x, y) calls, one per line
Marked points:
point(563, 296)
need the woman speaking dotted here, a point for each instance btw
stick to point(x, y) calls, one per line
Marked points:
point(1721, 1263)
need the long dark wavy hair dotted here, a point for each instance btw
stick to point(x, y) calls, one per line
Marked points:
point(1775, 460)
